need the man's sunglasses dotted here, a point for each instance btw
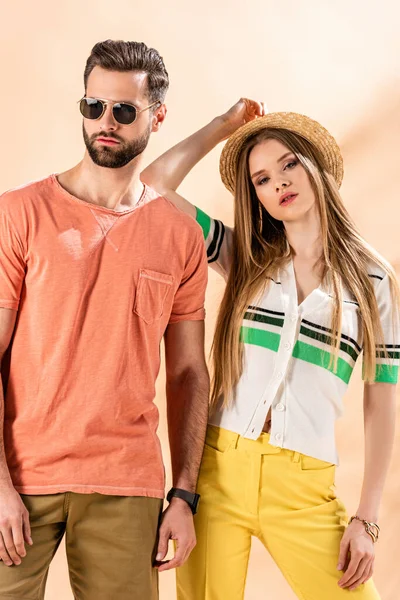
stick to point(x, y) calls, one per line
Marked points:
point(123, 112)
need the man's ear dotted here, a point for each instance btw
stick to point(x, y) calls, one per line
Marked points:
point(158, 118)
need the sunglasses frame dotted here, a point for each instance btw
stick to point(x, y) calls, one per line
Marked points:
point(105, 103)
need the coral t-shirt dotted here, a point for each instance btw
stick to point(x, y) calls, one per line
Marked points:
point(95, 290)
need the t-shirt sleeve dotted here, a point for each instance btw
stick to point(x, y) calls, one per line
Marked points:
point(189, 298)
point(12, 264)
point(388, 353)
point(219, 242)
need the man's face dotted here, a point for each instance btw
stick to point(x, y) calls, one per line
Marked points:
point(109, 143)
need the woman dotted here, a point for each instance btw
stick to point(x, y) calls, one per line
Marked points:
point(305, 294)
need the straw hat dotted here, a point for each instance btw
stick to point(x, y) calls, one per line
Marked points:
point(300, 124)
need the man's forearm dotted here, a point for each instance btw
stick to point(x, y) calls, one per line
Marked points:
point(7, 323)
point(187, 402)
point(379, 419)
point(169, 170)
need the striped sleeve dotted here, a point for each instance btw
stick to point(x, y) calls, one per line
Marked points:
point(219, 240)
point(388, 353)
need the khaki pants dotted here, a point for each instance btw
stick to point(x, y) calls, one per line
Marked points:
point(110, 544)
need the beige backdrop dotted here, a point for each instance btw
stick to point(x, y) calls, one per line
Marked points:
point(335, 61)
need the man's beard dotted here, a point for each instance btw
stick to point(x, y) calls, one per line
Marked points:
point(114, 158)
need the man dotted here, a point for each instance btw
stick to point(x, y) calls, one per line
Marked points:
point(95, 268)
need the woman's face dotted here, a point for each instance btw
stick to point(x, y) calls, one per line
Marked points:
point(282, 184)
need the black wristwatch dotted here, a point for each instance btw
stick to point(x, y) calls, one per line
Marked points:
point(191, 499)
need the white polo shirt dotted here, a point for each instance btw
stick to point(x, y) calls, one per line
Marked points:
point(287, 354)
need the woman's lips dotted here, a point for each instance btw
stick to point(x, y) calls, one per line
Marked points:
point(288, 199)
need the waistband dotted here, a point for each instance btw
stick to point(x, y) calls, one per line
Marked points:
point(223, 440)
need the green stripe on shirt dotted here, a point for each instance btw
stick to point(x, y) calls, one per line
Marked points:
point(204, 221)
point(260, 337)
point(321, 358)
point(386, 374)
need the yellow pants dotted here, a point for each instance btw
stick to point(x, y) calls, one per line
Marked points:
point(286, 499)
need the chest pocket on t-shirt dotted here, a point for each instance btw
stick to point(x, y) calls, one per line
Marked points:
point(152, 290)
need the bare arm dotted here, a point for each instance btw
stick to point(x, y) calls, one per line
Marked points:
point(379, 427)
point(187, 410)
point(168, 171)
point(7, 323)
point(187, 400)
point(14, 517)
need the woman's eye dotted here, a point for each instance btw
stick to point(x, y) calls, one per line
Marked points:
point(292, 164)
point(262, 181)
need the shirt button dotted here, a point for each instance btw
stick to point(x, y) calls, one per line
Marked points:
point(287, 345)
point(279, 375)
point(278, 437)
point(280, 407)
point(293, 318)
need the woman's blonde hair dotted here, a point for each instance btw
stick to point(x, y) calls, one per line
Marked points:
point(260, 249)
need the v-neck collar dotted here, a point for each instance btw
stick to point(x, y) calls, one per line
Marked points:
point(310, 303)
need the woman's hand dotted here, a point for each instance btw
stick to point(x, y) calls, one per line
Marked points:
point(242, 112)
point(359, 567)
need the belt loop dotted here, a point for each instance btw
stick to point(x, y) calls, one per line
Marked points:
point(234, 441)
point(296, 457)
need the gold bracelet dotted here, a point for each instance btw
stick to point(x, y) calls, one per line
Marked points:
point(372, 529)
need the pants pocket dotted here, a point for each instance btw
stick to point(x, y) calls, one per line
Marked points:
point(309, 463)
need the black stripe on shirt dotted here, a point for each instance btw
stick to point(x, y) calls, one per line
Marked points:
point(343, 336)
point(327, 339)
point(346, 301)
point(388, 346)
point(252, 316)
point(214, 248)
point(389, 354)
point(264, 310)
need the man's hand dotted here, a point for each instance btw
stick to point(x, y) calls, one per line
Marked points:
point(176, 524)
point(242, 112)
point(359, 568)
point(14, 527)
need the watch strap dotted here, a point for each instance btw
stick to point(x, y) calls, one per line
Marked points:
point(190, 498)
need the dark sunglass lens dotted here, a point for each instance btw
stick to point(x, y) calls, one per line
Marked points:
point(91, 108)
point(124, 113)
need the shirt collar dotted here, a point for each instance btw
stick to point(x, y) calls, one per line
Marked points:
point(289, 291)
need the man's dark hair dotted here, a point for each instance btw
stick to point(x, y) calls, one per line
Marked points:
point(117, 55)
